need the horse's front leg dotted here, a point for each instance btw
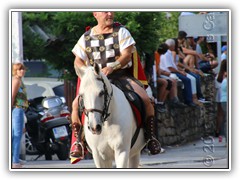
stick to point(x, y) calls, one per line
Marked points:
point(121, 158)
point(100, 162)
point(134, 161)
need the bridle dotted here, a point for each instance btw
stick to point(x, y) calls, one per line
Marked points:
point(107, 99)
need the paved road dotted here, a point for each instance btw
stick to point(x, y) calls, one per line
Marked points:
point(204, 153)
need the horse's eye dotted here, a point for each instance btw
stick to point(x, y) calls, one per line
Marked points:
point(101, 93)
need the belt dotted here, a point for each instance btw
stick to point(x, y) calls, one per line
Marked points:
point(23, 107)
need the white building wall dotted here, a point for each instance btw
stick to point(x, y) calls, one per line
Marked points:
point(16, 40)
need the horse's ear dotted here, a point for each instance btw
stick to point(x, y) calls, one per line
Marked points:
point(96, 68)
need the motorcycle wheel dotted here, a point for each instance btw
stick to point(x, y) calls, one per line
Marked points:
point(30, 148)
point(63, 152)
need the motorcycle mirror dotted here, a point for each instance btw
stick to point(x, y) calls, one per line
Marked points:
point(65, 107)
point(63, 100)
point(41, 113)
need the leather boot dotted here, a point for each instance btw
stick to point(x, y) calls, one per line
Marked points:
point(77, 149)
point(153, 144)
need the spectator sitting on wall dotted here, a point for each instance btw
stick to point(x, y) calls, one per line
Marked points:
point(191, 42)
point(172, 83)
point(195, 84)
point(185, 51)
point(161, 95)
point(167, 64)
point(196, 59)
point(190, 70)
point(180, 57)
point(207, 62)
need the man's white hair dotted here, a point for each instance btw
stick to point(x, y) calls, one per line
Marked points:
point(170, 42)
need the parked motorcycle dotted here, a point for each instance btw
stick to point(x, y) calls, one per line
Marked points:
point(48, 127)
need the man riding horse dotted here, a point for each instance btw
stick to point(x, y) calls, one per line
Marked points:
point(111, 46)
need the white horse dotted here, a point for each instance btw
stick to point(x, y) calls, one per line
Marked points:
point(109, 123)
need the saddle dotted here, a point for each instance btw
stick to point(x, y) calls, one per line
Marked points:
point(133, 98)
point(136, 103)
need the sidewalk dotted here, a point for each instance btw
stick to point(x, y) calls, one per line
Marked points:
point(203, 153)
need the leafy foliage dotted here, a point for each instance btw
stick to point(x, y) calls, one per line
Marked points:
point(169, 26)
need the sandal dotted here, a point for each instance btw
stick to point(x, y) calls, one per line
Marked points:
point(16, 165)
point(77, 150)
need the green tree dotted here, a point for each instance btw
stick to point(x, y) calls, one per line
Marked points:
point(143, 27)
point(63, 30)
point(169, 26)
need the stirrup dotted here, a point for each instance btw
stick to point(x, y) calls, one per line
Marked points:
point(76, 153)
point(153, 150)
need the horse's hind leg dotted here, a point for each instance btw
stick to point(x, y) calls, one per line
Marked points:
point(134, 161)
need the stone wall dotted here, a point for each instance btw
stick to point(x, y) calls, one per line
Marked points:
point(180, 125)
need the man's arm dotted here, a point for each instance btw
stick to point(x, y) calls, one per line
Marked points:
point(189, 51)
point(78, 62)
point(79, 66)
point(126, 56)
point(173, 70)
point(192, 52)
point(123, 60)
point(162, 72)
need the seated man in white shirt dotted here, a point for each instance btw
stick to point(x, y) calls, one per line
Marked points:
point(167, 64)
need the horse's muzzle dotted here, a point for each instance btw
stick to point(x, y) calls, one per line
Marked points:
point(96, 130)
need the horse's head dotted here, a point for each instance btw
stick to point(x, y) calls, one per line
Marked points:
point(95, 92)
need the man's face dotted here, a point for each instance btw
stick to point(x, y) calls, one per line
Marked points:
point(172, 47)
point(181, 41)
point(104, 18)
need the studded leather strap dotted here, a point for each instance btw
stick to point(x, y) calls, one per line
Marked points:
point(102, 47)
